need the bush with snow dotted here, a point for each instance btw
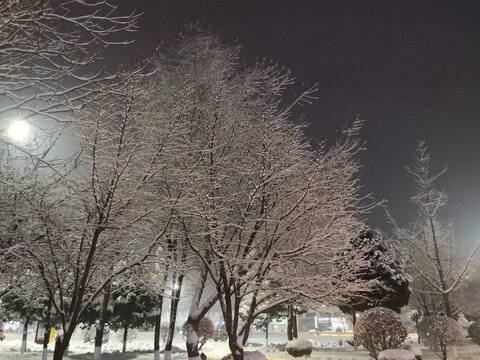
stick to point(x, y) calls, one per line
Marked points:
point(299, 347)
point(414, 349)
point(380, 329)
point(437, 332)
point(396, 354)
point(248, 355)
point(474, 332)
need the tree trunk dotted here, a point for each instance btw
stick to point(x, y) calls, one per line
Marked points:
point(418, 333)
point(443, 347)
point(60, 347)
point(61, 344)
point(294, 325)
point(236, 349)
point(440, 271)
point(125, 335)
point(158, 325)
point(97, 354)
point(289, 323)
point(196, 313)
point(47, 328)
point(266, 335)
point(69, 324)
point(23, 346)
point(230, 316)
point(354, 322)
point(192, 341)
point(448, 305)
point(173, 317)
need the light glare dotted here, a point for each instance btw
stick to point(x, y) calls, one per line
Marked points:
point(19, 130)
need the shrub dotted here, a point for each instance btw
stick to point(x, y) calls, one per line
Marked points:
point(298, 347)
point(380, 329)
point(248, 355)
point(474, 332)
point(413, 349)
point(205, 330)
point(437, 332)
point(396, 354)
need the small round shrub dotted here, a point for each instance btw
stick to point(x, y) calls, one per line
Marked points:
point(299, 347)
point(437, 332)
point(396, 354)
point(380, 329)
point(205, 329)
point(474, 332)
point(414, 349)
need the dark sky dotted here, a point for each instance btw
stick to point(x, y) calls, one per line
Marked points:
point(411, 68)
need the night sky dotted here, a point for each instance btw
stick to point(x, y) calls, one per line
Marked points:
point(410, 68)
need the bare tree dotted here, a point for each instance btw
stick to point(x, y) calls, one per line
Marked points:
point(428, 246)
point(256, 200)
point(51, 67)
point(49, 54)
point(92, 211)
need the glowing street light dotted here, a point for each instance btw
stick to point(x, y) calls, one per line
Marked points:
point(19, 130)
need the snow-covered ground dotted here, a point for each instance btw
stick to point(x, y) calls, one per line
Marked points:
point(140, 348)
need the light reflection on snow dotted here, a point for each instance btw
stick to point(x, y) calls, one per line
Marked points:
point(218, 353)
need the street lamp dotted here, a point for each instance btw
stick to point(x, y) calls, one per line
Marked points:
point(18, 130)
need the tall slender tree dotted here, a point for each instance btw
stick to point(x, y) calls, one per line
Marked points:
point(428, 245)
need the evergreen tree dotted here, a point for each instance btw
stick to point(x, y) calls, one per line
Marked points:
point(26, 305)
point(384, 269)
point(132, 308)
point(262, 321)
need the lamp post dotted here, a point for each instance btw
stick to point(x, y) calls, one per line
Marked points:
point(18, 130)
